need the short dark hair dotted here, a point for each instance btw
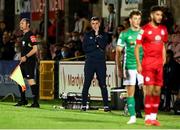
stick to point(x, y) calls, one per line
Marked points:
point(27, 20)
point(111, 5)
point(121, 26)
point(156, 8)
point(135, 12)
point(95, 18)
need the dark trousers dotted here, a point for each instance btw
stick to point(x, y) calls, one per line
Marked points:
point(100, 69)
point(168, 97)
point(138, 95)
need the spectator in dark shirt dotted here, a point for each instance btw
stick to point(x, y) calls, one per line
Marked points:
point(171, 78)
point(41, 25)
point(7, 50)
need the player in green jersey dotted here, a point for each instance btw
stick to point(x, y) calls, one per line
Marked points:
point(127, 41)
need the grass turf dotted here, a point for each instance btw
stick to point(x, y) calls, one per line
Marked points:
point(48, 117)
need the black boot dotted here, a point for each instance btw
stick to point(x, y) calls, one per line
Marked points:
point(139, 115)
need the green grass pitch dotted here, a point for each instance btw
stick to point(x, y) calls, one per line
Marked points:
point(47, 117)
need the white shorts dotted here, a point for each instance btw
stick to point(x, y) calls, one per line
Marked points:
point(131, 76)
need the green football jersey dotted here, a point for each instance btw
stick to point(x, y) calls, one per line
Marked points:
point(127, 40)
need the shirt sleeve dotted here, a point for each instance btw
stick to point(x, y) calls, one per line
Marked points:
point(121, 40)
point(165, 38)
point(140, 37)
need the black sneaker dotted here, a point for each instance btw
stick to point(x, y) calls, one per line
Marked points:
point(139, 115)
point(83, 109)
point(107, 109)
point(35, 105)
point(21, 103)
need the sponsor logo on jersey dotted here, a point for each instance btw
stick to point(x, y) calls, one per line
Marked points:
point(132, 43)
point(149, 32)
point(157, 37)
point(130, 37)
point(147, 79)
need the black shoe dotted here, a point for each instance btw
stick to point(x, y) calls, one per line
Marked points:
point(107, 109)
point(21, 103)
point(35, 105)
point(167, 109)
point(83, 109)
point(139, 115)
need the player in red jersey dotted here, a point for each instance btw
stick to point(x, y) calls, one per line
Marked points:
point(153, 41)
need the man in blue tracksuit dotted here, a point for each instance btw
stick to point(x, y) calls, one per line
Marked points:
point(94, 45)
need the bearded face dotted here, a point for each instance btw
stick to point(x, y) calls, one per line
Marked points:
point(156, 17)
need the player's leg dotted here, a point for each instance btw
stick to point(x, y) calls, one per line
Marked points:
point(156, 94)
point(131, 103)
point(149, 80)
point(155, 104)
point(22, 100)
point(139, 94)
point(35, 92)
point(148, 103)
point(130, 82)
point(88, 76)
point(101, 77)
point(30, 75)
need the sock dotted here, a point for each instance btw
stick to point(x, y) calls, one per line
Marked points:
point(35, 92)
point(22, 94)
point(153, 116)
point(147, 106)
point(131, 105)
point(133, 117)
point(106, 107)
point(155, 106)
point(147, 117)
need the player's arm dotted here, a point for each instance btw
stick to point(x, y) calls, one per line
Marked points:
point(165, 39)
point(164, 54)
point(118, 60)
point(34, 49)
point(136, 52)
point(32, 52)
point(119, 48)
point(139, 41)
